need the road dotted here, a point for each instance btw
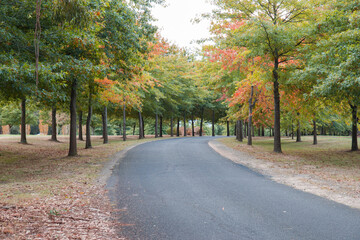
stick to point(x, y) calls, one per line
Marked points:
point(182, 189)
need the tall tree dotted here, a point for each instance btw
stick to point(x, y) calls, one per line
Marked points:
point(272, 29)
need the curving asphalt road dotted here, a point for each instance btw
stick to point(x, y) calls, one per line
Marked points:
point(182, 189)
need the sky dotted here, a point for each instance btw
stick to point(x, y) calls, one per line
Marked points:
point(174, 21)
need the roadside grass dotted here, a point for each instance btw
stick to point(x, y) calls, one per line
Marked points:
point(328, 169)
point(46, 195)
point(42, 168)
point(331, 151)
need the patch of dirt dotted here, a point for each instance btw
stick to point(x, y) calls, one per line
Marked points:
point(321, 182)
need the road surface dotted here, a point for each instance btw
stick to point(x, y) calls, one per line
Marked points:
point(182, 189)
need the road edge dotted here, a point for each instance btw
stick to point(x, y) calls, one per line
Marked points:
point(282, 176)
point(114, 160)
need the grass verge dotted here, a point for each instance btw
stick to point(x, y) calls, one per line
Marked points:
point(45, 194)
point(328, 169)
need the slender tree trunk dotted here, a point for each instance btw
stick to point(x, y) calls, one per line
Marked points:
point(172, 126)
point(134, 128)
point(53, 125)
point(245, 129)
point(105, 128)
point(73, 143)
point(201, 122)
point(292, 130)
point(23, 121)
point(161, 126)
point(141, 126)
point(120, 129)
point(298, 130)
point(263, 131)
point(249, 127)
point(213, 123)
point(354, 141)
point(241, 130)
point(178, 128)
point(277, 136)
point(156, 126)
point(235, 129)
point(124, 122)
point(192, 126)
point(80, 126)
point(37, 40)
point(185, 134)
point(228, 128)
point(315, 132)
point(88, 122)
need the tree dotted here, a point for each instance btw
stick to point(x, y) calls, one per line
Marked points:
point(272, 29)
point(334, 63)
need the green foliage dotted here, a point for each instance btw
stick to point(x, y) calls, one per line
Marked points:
point(11, 114)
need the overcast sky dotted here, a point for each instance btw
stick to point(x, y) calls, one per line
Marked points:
point(174, 21)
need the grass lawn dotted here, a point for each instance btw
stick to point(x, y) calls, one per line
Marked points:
point(331, 151)
point(328, 169)
point(44, 193)
point(42, 167)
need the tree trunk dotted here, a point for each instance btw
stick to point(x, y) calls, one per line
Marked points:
point(185, 134)
point(201, 122)
point(235, 129)
point(37, 40)
point(124, 122)
point(228, 128)
point(249, 128)
point(88, 122)
point(315, 132)
point(298, 130)
point(73, 143)
point(292, 130)
point(120, 129)
point(80, 126)
point(263, 131)
point(178, 128)
point(141, 126)
point(213, 123)
point(277, 136)
point(161, 126)
point(241, 130)
point(53, 125)
point(239, 134)
point(245, 131)
point(172, 126)
point(354, 140)
point(104, 123)
point(192, 126)
point(134, 127)
point(23, 121)
point(156, 126)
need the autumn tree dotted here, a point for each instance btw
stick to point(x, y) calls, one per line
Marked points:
point(268, 28)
